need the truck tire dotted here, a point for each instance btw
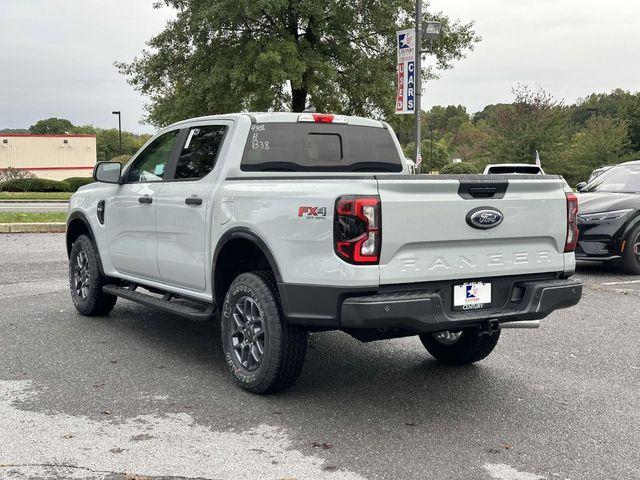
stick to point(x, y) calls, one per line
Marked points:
point(86, 281)
point(631, 256)
point(460, 347)
point(263, 351)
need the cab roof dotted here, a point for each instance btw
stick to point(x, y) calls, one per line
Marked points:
point(282, 117)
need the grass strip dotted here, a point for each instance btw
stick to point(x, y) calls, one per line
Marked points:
point(32, 217)
point(26, 196)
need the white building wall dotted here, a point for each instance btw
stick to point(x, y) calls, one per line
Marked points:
point(55, 157)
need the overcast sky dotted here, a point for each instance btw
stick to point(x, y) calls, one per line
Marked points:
point(56, 56)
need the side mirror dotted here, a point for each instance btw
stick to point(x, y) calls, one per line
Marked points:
point(580, 186)
point(107, 172)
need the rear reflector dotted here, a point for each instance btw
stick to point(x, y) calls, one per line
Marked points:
point(572, 224)
point(322, 118)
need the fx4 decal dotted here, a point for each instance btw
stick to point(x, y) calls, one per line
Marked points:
point(318, 213)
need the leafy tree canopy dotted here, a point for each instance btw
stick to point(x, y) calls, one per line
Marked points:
point(14, 130)
point(52, 126)
point(616, 104)
point(603, 141)
point(230, 55)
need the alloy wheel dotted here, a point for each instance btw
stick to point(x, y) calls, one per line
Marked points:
point(81, 275)
point(636, 247)
point(248, 335)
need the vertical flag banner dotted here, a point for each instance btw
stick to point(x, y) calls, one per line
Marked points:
point(405, 96)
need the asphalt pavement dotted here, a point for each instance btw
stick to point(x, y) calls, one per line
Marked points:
point(33, 206)
point(146, 393)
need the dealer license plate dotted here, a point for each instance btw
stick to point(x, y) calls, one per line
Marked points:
point(471, 296)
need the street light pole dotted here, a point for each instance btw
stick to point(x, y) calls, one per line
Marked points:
point(418, 82)
point(430, 31)
point(119, 128)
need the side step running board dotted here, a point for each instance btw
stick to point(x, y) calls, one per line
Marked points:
point(161, 304)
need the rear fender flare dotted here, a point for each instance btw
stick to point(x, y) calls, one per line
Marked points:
point(247, 234)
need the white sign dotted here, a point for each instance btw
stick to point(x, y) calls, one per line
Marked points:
point(405, 95)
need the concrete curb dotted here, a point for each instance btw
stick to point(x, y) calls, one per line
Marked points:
point(33, 227)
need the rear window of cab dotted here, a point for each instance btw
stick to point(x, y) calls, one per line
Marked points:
point(315, 147)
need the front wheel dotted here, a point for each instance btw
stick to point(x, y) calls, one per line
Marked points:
point(460, 347)
point(86, 280)
point(263, 351)
point(631, 256)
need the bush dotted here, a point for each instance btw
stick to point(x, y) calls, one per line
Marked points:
point(123, 159)
point(34, 185)
point(459, 169)
point(11, 173)
point(76, 182)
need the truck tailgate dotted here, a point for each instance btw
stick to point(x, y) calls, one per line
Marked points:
point(426, 235)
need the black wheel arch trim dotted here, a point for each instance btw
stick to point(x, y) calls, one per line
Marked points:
point(82, 217)
point(247, 234)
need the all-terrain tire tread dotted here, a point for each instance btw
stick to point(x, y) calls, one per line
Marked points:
point(288, 341)
point(98, 303)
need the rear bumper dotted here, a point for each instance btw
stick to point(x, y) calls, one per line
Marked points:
point(425, 307)
point(426, 312)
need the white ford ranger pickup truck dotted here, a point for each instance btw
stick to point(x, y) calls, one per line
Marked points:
point(281, 224)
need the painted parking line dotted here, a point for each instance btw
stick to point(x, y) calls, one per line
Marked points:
point(500, 471)
point(630, 282)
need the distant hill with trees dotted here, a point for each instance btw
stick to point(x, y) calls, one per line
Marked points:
point(572, 140)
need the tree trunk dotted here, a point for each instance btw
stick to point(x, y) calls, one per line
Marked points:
point(299, 99)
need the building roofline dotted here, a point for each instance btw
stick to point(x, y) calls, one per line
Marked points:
point(48, 135)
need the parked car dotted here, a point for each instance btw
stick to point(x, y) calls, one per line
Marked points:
point(282, 224)
point(609, 218)
point(513, 169)
point(596, 173)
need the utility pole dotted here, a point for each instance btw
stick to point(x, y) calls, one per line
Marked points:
point(418, 82)
point(119, 128)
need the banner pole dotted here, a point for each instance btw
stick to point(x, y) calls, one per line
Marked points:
point(418, 81)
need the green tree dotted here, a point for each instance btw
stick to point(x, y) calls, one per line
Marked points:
point(108, 143)
point(472, 142)
point(228, 55)
point(616, 104)
point(534, 122)
point(433, 159)
point(14, 130)
point(460, 169)
point(445, 120)
point(52, 126)
point(603, 141)
point(123, 159)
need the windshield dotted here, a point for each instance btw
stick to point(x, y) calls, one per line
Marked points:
point(620, 179)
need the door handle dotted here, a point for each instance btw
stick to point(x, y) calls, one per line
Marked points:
point(193, 201)
point(145, 199)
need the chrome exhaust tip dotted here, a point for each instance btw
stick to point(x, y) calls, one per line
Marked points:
point(522, 324)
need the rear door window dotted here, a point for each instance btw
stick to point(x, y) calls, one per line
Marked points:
point(310, 147)
point(200, 152)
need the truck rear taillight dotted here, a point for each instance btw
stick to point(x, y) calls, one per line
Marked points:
point(358, 230)
point(572, 223)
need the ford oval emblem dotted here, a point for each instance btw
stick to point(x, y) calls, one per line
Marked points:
point(484, 218)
